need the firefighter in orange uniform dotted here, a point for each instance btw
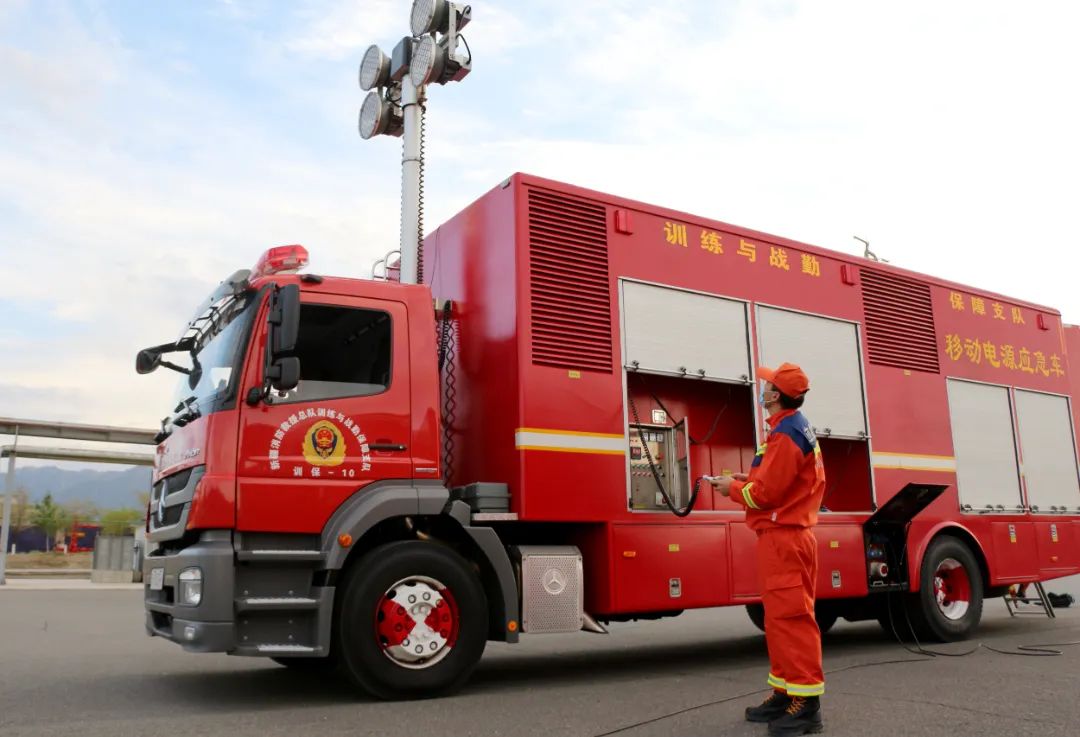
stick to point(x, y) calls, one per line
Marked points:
point(782, 495)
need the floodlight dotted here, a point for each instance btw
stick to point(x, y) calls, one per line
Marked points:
point(432, 62)
point(430, 16)
point(374, 69)
point(428, 62)
point(378, 117)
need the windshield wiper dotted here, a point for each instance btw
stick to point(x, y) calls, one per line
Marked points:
point(185, 412)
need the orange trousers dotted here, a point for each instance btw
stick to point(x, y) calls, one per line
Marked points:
point(787, 566)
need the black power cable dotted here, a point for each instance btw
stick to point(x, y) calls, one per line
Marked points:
point(1038, 650)
point(1047, 649)
point(420, 199)
point(715, 422)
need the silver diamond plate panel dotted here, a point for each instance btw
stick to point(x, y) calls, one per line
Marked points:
point(552, 589)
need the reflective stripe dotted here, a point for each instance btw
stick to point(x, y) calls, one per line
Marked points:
point(816, 689)
point(912, 462)
point(747, 498)
point(569, 441)
point(777, 682)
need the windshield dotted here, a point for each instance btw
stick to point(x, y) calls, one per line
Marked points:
point(219, 335)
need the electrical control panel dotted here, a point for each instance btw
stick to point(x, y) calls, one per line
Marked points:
point(663, 449)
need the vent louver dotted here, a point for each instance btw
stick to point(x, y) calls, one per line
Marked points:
point(570, 295)
point(900, 328)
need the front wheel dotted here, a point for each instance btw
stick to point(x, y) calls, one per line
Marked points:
point(948, 605)
point(411, 622)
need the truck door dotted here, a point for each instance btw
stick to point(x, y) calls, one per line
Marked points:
point(346, 425)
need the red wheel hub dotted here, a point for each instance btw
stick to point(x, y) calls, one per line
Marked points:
point(952, 589)
point(417, 622)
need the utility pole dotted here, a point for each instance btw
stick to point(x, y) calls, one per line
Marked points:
point(5, 524)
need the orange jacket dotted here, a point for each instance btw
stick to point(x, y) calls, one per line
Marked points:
point(787, 478)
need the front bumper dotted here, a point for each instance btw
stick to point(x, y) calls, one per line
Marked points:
point(210, 626)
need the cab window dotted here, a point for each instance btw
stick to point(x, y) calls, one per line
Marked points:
point(343, 352)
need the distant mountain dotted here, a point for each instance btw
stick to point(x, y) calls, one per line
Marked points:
point(106, 489)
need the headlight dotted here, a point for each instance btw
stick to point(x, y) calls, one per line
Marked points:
point(189, 591)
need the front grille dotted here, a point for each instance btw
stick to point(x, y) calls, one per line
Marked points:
point(173, 484)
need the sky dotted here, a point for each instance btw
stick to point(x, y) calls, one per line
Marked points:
point(149, 149)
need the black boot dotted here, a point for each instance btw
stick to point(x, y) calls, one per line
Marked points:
point(802, 716)
point(772, 708)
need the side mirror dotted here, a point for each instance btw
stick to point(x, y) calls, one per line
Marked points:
point(284, 374)
point(284, 320)
point(147, 360)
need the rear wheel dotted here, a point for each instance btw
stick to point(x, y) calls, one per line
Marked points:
point(756, 612)
point(411, 622)
point(948, 605)
point(825, 620)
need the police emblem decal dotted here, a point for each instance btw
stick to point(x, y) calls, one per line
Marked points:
point(324, 444)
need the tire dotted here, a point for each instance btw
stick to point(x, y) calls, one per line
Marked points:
point(756, 612)
point(898, 619)
point(948, 605)
point(825, 620)
point(372, 630)
point(309, 665)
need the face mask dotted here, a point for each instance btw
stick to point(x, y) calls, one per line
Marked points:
point(762, 397)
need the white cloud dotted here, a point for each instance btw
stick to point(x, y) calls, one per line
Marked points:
point(348, 26)
point(945, 133)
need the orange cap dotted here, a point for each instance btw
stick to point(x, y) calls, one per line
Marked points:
point(788, 378)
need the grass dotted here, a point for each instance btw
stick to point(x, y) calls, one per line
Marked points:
point(36, 561)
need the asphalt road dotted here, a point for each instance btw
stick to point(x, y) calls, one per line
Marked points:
point(78, 663)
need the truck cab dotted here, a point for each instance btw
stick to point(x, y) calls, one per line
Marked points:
point(295, 394)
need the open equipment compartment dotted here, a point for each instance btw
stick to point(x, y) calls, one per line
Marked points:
point(828, 351)
point(686, 357)
point(719, 438)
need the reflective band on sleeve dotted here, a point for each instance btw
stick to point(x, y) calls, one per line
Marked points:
point(747, 498)
point(815, 689)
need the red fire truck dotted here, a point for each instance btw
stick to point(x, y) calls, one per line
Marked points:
point(381, 476)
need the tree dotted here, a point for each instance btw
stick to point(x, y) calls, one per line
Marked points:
point(82, 511)
point(50, 517)
point(20, 509)
point(120, 521)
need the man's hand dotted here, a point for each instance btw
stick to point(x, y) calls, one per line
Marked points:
point(722, 484)
point(739, 476)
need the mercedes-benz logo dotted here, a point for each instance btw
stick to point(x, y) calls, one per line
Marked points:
point(554, 581)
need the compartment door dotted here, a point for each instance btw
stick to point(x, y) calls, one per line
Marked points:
point(987, 474)
point(671, 331)
point(828, 351)
point(1016, 555)
point(1046, 442)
